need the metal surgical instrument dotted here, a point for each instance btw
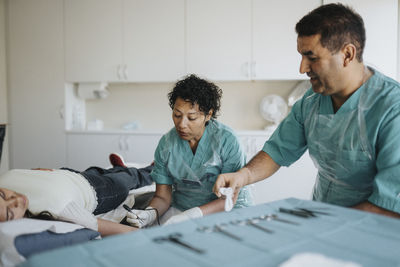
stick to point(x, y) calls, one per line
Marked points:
point(269, 217)
point(219, 229)
point(253, 222)
point(176, 239)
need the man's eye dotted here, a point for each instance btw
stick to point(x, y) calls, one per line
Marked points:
point(312, 59)
point(192, 119)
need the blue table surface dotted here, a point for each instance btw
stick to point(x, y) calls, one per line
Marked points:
point(347, 234)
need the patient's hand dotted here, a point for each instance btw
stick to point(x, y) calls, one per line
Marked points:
point(42, 169)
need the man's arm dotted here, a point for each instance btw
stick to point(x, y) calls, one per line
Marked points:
point(260, 167)
point(368, 206)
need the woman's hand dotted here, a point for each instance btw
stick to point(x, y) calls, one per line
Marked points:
point(141, 218)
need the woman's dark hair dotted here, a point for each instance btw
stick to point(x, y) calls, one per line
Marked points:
point(44, 215)
point(337, 24)
point(197, 91)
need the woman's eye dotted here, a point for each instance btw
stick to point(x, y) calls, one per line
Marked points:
point(10, 215)
point(192, 119)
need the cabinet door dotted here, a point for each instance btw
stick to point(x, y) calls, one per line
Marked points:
point(35, 83)
point(275, 53)
point(154, 44)
point(381, 24)
point(93, 40)
point(91, 149)
point(218, 36)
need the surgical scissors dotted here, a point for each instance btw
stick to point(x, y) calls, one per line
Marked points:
point(176, 239)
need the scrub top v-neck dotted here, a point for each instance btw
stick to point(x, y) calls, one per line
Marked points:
point(193, 175)
point(353, 149)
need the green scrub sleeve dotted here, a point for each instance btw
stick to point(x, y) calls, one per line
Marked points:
point(386, 185)
point(160, 172)
point(288, 143)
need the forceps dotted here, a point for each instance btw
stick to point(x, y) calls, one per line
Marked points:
point(218, 229)
point(269, 217)
point(176, 239)
point(252, 222)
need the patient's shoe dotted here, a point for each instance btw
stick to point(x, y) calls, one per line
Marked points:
point(117, 160)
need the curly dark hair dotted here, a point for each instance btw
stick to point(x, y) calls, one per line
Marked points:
point(337, 24)
point(197, 91)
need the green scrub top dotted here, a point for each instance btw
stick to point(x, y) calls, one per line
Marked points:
point(193, 175)
point(356, 150)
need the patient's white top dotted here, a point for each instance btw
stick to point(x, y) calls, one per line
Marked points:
point(66, 195)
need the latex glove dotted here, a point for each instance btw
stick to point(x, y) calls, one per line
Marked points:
point(192, 213)
point(228, 193)
point(141, 218)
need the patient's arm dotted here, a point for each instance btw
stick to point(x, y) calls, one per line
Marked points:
point(368, 206)
point(213, 206)
point(107, 228)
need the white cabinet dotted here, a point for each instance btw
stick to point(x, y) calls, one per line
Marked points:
point(154, 43)
point(124, 40)
point(93, 40)
point(244, 40)
point(274, 42)
point(87, 149)
point(381, 24)
point(35, 83)
point(218, 38)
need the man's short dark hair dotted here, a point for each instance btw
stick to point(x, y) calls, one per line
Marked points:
point(337, 24)
point(197, 91)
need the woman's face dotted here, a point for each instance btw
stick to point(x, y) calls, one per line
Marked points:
point(12, 205)
point(189, 121)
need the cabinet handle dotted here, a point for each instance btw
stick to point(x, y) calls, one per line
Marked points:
point(246, 69)
point(119, 72)
point(126, 72)
point(253, 69)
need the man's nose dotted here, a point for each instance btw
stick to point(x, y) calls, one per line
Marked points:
point(304, 66)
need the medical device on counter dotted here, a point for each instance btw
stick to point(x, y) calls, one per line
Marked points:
point(273, 108)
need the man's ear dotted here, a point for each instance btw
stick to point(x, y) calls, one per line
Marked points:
point(349, 54)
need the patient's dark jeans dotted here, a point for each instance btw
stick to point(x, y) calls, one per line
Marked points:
point(112, 185)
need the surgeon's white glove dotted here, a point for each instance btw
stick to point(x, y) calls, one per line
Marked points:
point(141, 218)
point(192, 213)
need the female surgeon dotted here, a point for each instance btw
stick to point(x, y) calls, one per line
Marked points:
point(190, 156)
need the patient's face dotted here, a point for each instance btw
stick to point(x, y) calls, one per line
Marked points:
point(189, 121)
point(12, 205)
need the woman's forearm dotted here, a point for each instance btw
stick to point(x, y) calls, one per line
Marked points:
point(107, 228)
point(213, 206)
point(162, 198)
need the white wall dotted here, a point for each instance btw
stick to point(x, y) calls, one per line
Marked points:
point(4, 165)
point(148, 104)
